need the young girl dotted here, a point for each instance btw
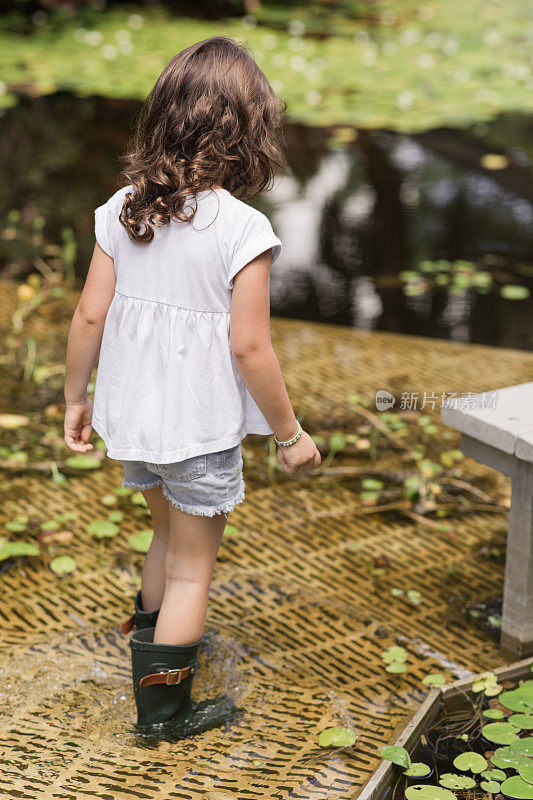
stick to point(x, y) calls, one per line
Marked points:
point(176, 302)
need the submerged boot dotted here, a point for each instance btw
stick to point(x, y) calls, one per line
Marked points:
point(139, 619)
point(162, 677)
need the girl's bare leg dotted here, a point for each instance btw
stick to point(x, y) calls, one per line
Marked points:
point(153, 574)
point(190, 559)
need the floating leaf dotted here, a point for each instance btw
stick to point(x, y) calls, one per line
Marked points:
point(102, 529)
point(494, 161)
point(50, 525)
point(82, 461)
point(493, 713)
point(108, 499)
point(494, 774)
point(16, 526)
point(523, 746)
point(230, 531)
point(11, 422)
point(122, 491)
point(414, 596)
point(418, 770)
point(505, 758)
point(517, 787)
point(66, 516)
point(424, 792)
point(470, 761)
point(490, 786)
point(141, 540)
point(435, 679)
point(522, 721)
point(394, 653)
point(137, 499)
point(525, 770)
point(500, 732)
point(372, 485)
point(397, 755)
point(63, 565)
point(396, 667)
point(396, 592)
point(452, 781)
point(337, 737)
point(510, 292)
point(517, 700)
point(16, 549)
point(115, 516)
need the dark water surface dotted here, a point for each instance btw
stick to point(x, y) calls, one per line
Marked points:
point(359, 210)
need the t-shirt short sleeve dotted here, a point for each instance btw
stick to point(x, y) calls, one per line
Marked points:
point(102, 228)
point(252, 235)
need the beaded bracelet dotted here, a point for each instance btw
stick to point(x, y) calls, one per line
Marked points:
point(291, 441)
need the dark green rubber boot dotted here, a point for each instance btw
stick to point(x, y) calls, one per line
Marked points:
point(139, 619)
point(162, 678)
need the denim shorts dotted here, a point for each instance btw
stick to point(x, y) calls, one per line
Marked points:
point(202, 485)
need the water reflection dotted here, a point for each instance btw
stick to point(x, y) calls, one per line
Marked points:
point(351, 219)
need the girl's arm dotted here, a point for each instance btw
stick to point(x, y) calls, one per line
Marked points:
point(83, 347)
point(258, 365)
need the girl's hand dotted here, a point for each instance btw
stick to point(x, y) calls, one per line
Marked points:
point(299, 457)
point(78, 426)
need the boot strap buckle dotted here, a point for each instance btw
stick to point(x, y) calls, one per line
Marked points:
point(170, 675)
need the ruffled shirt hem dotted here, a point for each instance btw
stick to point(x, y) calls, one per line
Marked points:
point(178, 455)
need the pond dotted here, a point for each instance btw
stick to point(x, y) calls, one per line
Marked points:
point(427, 234)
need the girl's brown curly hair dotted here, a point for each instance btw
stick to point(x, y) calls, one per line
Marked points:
point(212, 119)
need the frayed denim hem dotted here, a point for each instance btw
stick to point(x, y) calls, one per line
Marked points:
point(206, 511)
point(142, 487)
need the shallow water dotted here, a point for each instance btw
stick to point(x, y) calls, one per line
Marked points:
point(351, 219)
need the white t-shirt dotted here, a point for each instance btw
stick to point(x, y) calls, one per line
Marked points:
point(167, 386)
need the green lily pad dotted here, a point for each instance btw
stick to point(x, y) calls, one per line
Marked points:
point(102, 529)
point(523, 746)
point(394, 653)
point(505, 758)
point(452, 781)
point(137, 499)
point(372, 485)
point(63, 565)
point(17, 525)
point(494, 775)
point(230, 531)
point(470, 761)
point(435, 679)
point(414, 596)
point(16, 549)
point(423, 792)
point(525, 770)
point(397, 755)
point(522, 721)
point(122, 491)
point(500, 732)
point(418, 770)
point(337, 737)
point(82, 461)
point(511, 292)
point(518, 788)
point(520, 700)
point(490, 786)
point(115, 516)
point(108, 499)
point(50, 525)
point(493, 713)
point(396, 667)
point(141, 540)
point(66, 516)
